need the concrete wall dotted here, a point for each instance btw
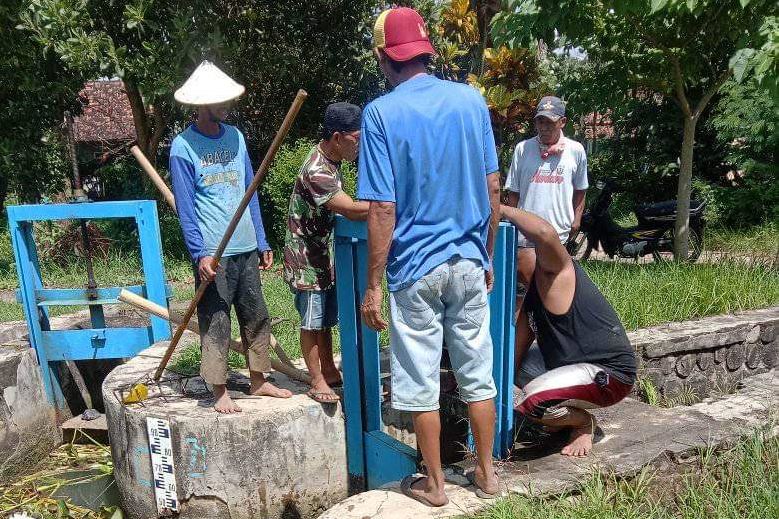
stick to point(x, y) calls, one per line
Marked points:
point(708, 354)
point(278, 458)
point(28, 426)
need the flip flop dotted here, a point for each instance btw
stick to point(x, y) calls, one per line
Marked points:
point(405, 487)
point(318, 396)
point(479, 492)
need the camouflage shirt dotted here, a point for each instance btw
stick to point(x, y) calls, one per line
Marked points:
point(308, 263)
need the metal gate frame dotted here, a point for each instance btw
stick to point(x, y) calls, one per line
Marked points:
point(98, 342)
point(373, 457)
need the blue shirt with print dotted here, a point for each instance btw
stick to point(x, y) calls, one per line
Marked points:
point(210, 176)
point(427, 146)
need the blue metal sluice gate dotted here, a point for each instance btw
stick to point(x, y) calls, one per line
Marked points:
point(373, 457)
point(99, 341)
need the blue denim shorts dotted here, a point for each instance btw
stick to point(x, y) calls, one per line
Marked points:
point(449, 304)
point(318, 309)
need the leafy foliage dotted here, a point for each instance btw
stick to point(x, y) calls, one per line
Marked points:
point(33, 95)
point(647, 45)
point(747, 123)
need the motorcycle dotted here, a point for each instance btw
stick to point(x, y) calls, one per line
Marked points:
point(653, 235)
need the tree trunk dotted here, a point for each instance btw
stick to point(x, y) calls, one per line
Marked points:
point(682, 225)
point(485, 10)
point(141, 121)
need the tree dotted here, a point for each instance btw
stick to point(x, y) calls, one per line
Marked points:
point(34, 92)
point(684, 49)
point(148, 44)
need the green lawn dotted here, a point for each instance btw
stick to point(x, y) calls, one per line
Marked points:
point(652, 293)
point(761, 240)
point(740, 483)
point(643, 295)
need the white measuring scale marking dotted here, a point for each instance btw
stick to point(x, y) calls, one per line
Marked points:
point(161, 450)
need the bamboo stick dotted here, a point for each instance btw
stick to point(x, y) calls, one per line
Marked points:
point(283, 365)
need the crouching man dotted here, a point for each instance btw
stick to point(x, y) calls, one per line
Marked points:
point(583, 358)
point(211, 170)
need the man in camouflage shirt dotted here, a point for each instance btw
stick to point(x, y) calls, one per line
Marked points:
point(308, 264)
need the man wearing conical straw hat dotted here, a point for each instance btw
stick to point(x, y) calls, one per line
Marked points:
point(211, 169)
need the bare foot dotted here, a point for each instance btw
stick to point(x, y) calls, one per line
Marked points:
point(419, 491)
point(581, 442)
point(267, 389)
point(489, 483)
point(224, 404)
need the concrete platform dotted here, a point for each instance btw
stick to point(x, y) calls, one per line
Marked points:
point(635, 435)
point(278, 458)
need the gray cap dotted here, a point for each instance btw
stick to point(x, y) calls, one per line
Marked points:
point(550, 107)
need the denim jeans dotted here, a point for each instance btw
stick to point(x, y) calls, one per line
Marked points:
point(449, 303)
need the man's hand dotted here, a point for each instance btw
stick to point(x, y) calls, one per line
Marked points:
point(266, 260)
point(489, 279)
point(205, 269)
point(371, 309)
point(575, 226)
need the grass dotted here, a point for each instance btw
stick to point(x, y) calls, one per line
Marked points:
point(759, 240)
point(35, 494)
point(739, 483)
point(648, 294)
point(643, 295)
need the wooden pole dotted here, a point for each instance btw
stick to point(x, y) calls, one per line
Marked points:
point(283, 365)
point(154, 176)
point(258, 178)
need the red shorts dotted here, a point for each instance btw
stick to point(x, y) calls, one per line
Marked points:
point(584, 386)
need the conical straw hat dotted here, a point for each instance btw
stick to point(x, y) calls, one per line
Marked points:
point(208, 86)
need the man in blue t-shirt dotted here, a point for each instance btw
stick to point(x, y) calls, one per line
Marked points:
point(428, 166)
point(211, 170)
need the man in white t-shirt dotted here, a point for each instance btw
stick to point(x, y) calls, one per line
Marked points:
point(548, 177)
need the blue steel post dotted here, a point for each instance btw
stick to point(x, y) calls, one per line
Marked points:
point(508, 284)
point(497, 310)
point(29, 273)
point(153, 270)
point(369, 348)
point(348, 303)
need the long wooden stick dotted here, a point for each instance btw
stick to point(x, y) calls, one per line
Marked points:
point(154, 176)
point(258, 177)
point(283, 365)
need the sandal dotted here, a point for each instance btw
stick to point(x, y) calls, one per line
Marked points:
point(482, 493)
point(323, 397)
point(406, 488)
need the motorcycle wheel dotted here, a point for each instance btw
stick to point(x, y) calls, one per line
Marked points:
point(579, 247)
point(694, 246)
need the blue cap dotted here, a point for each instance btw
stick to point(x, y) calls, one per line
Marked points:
point(550, 107)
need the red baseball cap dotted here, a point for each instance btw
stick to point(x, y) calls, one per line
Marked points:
point(401, 34)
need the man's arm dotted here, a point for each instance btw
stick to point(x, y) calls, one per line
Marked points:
point(344, 205)
point(493, 188)
point(182, 173)
point(524, 338)
point(551, 256)
point(578, 210)
point(381, 225)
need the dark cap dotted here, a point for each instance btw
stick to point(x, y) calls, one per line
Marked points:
point(550, 107)
point(342, 118)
